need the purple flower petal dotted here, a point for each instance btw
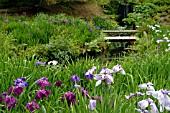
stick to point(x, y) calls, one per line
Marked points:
point(92, 104)
point(16, 90)
point(31, 106)
point(70, 97)
point(58, 83)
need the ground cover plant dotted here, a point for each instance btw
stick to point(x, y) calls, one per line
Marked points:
point(138, 82)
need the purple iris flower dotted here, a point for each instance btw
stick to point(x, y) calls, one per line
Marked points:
point(76, 86)
point(106, 70)
point(98, 28)
point(90, 29)
point(42, 93)
point(89, 73)
point(148, 86)
point(106, 78)
point(9, 100)
point(145, 103)
point(141, 111)
point(163, 98)
point(75, 78)
point(58, 83)
point(16, 90)
point(2, 96)
point(117, 68)
point(85, 93)
point(43, 82)
point(31, 106)
point(138, 94)
point(70, 97)
point(92, 104)
point(40, 63)
point(20, 82)
point(129, 96)
point(98, 98)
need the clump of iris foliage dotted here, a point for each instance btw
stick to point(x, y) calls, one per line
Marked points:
point(43, 84)
point(57, 37)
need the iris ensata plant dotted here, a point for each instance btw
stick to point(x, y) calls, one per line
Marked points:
point(42, 93)
point(106, 75)
point(161, 96)
point(69, 97)
point(58, 83)
point(20, 82)
point(166, 40)
point(40, 63)
point(89, 73)
point(32, 106)
point(9, 101)
point(53, 62)
point(43, 82)
point(92, 105)
point(75, 79)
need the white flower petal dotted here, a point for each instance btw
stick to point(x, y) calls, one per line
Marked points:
point(99, 76)
point(116, 68)
point(98, 82)
point(161, 108)
point(143, 104)
point(154, 108)
point(167, 108)
point(151, 88)
point(143, 86)
point(123, 71)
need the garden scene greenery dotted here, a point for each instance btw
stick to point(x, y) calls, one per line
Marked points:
point(54, 63)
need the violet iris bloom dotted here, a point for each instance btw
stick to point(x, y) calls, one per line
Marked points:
point(16, 90)
point(145, 103)
point(85, 93)
point(90, 29)
point(148, 86)
point(20, 82)
point(92, 105)
point(43, 82)
point(163, 98)
point(32, 106)
point(40, 63)
point(42, 93)
point(76, 86)
point(58, 83)
point(9, 100)
point(138, 94)
point(117, 68)
point(75, 78)
point(98, 98)
point(106, 71)
point(107, 78)
point(70, 98)
point(89, 73)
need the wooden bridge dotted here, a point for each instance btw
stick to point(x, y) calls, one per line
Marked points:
point(121, 36)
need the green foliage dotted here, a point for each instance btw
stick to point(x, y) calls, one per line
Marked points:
point(146, 9)
point(104, 23)
point(141, 13)
point(7, 44)
point(57, 37)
